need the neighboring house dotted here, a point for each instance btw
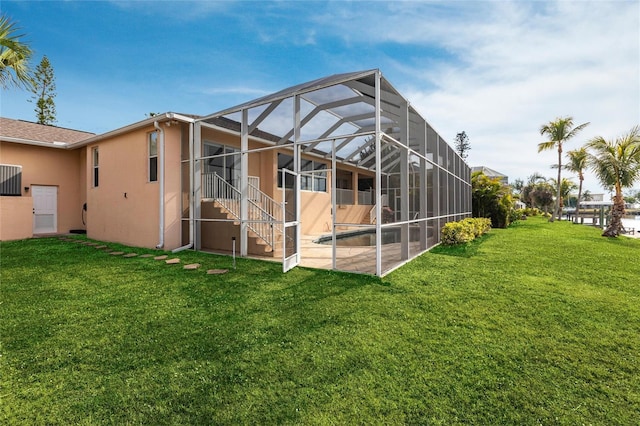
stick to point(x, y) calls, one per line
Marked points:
point(491, 173)
point(345, 153)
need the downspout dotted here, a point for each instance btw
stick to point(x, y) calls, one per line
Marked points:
point(161, 184)
point(191, 202)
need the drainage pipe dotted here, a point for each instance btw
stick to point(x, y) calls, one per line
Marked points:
point(161, 184)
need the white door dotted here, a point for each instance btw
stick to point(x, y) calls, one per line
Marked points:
point(45, 209)
point(291, 220)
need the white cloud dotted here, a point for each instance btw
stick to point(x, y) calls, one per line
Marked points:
point(528, 66)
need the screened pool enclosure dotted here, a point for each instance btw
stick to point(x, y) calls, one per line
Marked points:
point(340, 173)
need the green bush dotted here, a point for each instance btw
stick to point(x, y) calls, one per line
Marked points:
point(465, 230)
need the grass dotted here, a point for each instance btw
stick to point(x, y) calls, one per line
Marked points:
point(535, 324)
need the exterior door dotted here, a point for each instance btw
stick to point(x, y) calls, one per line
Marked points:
point(291, 220)
point(45, 209)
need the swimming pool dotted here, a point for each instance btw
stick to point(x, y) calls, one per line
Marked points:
point(367, 237)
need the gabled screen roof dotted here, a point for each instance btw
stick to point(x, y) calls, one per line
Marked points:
point(339, 109)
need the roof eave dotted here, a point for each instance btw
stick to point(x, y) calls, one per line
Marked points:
point(60, 145)
point(167, 116)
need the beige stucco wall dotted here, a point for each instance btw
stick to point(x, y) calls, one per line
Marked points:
point(43, 166)
point(124, 207)
point(16, 221)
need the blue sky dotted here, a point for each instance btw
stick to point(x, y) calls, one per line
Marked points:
point(495, 69)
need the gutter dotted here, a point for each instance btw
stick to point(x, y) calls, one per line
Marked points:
point(151, 120)
point(161, 184)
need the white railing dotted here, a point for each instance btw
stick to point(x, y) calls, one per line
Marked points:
point(365, 197)
point(268, 212)
point(372, 215)
point(264, 213)
point(344, 196)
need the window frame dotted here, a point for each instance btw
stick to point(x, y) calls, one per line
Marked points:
point(95, 166)
point(152, 159)
point(312, 175)
point(229, 157)
point(11, 183)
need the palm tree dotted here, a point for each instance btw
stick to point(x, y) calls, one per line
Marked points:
point(527, 192)
point(14, 56)
point(617, 165)
point(566, 186)
point(577, 164)
point(558, 131)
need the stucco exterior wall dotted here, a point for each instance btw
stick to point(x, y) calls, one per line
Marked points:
point(124, 207)
point(49, 167)
point(16, 221)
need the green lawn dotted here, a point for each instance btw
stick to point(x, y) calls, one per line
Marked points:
point(535, 324)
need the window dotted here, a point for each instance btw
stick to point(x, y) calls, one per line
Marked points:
point(226, 166)
point(10, 180)
point(94, 154)
point(153, 156)
point(313, 175)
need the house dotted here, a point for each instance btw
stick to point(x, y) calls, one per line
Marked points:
point(504, 179)
point(340, 172)
point(41, 180)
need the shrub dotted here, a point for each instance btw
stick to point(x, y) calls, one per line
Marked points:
point(491, 198)
point(465, 230)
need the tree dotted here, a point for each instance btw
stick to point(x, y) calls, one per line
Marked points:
point(491, 198)
point(463, 145)
point(542, 195)
point(577, 164)
point(558, 131)
point(516, 187)
point(527, 192)
point(44, 90)
point(566, 186)
point(616, 165)
point(14, 57)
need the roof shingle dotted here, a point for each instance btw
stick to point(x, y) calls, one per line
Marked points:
point(27, 130)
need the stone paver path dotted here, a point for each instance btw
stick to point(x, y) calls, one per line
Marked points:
point(192, 266)
point(173, 261)
point(217, 271)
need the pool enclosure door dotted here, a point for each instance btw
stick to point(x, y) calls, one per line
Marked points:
point(291, 220)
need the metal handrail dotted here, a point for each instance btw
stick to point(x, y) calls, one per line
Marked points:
point(264, 215)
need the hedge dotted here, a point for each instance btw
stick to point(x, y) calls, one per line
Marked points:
point(465, 230)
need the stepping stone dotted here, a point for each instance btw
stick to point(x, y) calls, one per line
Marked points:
point(116, 253)
point(162, 257)
point(146, 255)
point(172, 261)
point(101, 247)
point(192, 266)
point(217, 271)
point(130, 255)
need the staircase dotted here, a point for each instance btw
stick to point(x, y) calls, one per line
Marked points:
point(264, 213)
